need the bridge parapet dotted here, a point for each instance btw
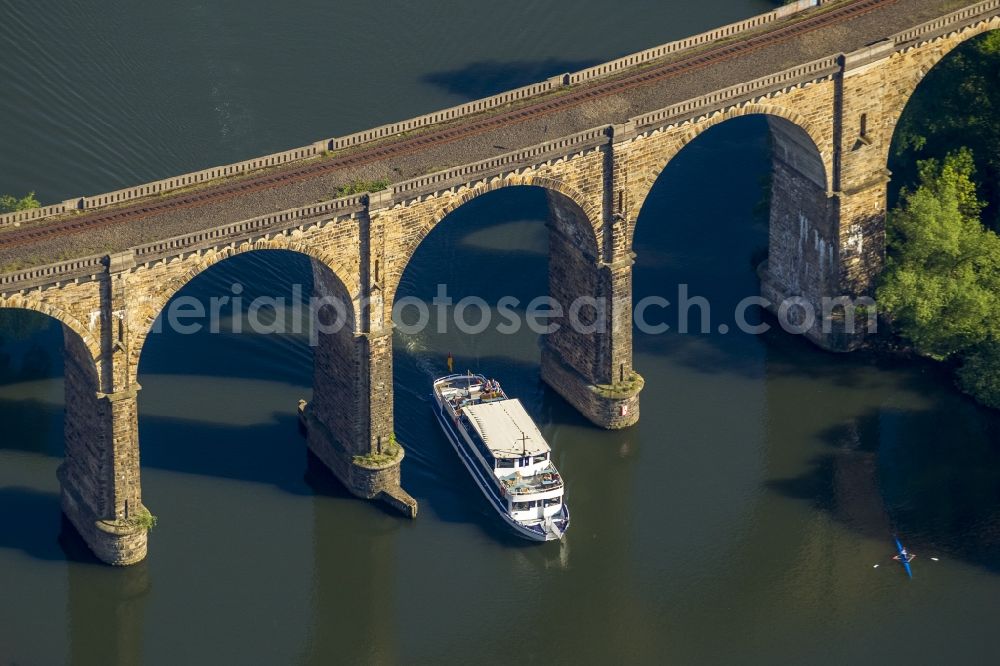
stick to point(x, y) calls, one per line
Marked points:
point(946, 24)
point(929, 30)
point(40, 276)
point(811, 71)
point(495, 166)
point(320, 147)
point(239, 231)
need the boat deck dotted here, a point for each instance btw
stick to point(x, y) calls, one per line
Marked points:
point(464, 390)
point(542, 480)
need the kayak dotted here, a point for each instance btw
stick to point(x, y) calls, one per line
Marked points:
point(903, 557)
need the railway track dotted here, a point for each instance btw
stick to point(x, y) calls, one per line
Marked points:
point(213, 194)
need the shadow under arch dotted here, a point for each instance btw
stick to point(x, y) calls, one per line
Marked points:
point(69, 321)
point(40, 423)
point(500, 243)
point(575, 239)
point(324, 265)
point(800, 146)
point(581, 220)
point(733, 195)
point(259, 372)
point(799, 262)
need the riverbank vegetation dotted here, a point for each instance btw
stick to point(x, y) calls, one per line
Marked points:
point(957, 104)
point(9, 203)
point(941, 286)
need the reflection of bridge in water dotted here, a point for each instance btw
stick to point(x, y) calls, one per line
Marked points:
point(832, 81)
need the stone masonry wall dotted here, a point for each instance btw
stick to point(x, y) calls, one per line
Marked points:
point(338, 366)
point(801, 241)
point(573, 275)
point(87, 430)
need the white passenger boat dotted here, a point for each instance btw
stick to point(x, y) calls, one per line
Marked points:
point(507, 456)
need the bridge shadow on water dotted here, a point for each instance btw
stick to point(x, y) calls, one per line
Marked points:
point(489, 77)
point(32, 522)
point(931, 475)
point(772, 354)
point(271, 453)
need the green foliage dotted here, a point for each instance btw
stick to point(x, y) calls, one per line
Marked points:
point(942, 277)
point(144, 519)
point(632, 384)
point(979, 375)
point(942, 280)
point(9, 203)
point(359, 186)
point(957, 104)
point(388, 454)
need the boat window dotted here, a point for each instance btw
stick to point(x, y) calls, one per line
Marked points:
point(552, 501)
point(505, 462)
point(540, 458)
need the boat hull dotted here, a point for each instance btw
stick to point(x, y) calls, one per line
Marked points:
point(531, 532)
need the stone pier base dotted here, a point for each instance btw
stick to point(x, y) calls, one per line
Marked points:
point(367, 480)
point(116, 542)
point(611, 406)
point(832, 329)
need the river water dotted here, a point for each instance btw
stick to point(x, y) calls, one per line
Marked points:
point(738, 522)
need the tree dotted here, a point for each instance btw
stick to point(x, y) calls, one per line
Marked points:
point(957, 104)
point(979, 375)
point(942, 279)
point(10, 203)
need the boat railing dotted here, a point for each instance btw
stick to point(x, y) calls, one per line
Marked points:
point(456, 376)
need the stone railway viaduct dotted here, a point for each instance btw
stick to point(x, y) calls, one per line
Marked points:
point(832, 119)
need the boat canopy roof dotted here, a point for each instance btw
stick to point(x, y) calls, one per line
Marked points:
point(506, 428)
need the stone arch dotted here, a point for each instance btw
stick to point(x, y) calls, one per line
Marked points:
point(69, 322)
point(913, 65)
point(587, 235)
point(573, 358)
point(592, 212)
point(158, 299)
point(88, 444)
point(794, 124)
point(802, 232)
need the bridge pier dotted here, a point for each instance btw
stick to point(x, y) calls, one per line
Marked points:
point(588, 358)
point(349, 423)
point(99, 478)
point(814, 274)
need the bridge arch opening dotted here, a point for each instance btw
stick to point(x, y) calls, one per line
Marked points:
point(485, 260)
point(698, 240)
point(742, 202)
point(48, 387)
point(794, 202)
point(794, 139)
point(222, 369)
